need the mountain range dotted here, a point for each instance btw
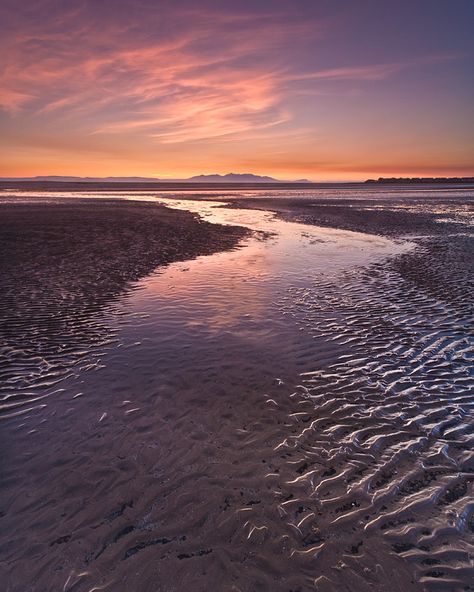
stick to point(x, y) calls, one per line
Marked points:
point(229, 178)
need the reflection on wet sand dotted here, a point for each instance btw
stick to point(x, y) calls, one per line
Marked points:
point(64, 261)
point(293, 415)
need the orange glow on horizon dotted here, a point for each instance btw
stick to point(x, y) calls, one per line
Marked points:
point(103, 91)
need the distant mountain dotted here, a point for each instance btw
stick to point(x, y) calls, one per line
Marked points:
point(233, 178)
point(229, 178)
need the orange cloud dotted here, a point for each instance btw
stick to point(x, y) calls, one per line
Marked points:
point(170, 89)
point(145, 84)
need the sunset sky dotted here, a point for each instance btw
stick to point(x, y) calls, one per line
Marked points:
point(322, 89)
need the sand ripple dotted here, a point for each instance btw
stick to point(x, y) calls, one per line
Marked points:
point(323, 442)
point(388, 448)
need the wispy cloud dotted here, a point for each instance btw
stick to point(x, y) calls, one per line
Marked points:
point(198, 81)
point(137, 75)
point(207, 75)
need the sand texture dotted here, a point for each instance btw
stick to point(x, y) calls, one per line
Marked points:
point(292, 415)
point(63, 261)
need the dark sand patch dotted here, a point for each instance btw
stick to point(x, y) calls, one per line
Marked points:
point(389, 216)
point(94, 248)
point(64, 260)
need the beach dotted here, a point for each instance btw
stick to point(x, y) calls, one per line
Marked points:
point(237, 393)
point(64, 260)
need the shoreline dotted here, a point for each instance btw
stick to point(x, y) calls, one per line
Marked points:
point(66, 260)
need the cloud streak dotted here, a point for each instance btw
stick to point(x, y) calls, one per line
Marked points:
point(146, 73)
point(196, 82)
point(215, 74)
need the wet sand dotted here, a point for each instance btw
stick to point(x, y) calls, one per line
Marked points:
point(64, 261)
point(442, 228)
point(390, 214)
point(294, 415)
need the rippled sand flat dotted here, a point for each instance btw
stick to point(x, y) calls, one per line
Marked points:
point(292, 415)
point(63, 262)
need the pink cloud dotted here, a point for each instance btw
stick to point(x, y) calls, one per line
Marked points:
point(190, 75)
point(188, 85)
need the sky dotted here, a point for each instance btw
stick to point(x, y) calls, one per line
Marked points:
point(328, 90)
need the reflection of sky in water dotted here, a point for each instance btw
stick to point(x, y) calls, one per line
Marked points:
point(237, 290)
point(244, 291)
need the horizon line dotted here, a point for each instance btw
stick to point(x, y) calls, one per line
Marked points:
point(253, 178)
